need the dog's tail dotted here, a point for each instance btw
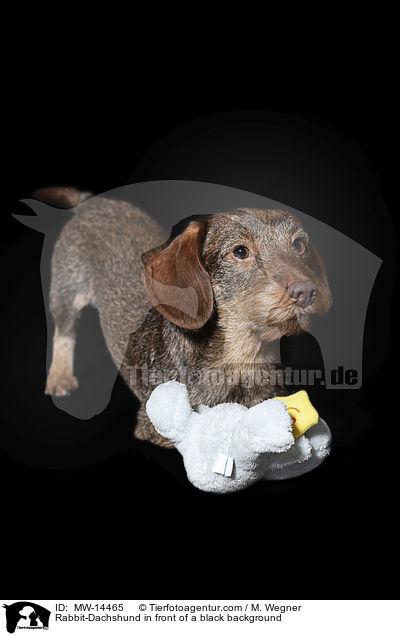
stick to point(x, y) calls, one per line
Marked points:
point(61, 196)
point(45, 219)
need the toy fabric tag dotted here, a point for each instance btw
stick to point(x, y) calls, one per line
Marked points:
point(223, 465)
point(303, 414)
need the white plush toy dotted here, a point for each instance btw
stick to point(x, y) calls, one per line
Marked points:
point(228, 447)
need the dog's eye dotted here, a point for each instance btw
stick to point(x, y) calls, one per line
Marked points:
point(299, 245)
point(241, 252)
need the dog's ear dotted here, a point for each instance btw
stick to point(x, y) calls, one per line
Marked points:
point(175, 280)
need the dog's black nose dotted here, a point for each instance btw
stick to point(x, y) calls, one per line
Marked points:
point(302, 292)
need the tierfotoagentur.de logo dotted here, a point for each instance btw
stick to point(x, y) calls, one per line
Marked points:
point(26, 615)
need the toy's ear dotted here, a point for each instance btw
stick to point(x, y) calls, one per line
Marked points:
point(176, 281)
point(169, 410)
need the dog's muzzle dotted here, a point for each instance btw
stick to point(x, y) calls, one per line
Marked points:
point(303, 293)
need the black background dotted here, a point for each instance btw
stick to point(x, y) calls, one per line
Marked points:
point(127, 524)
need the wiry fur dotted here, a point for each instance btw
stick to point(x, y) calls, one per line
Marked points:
point(97, 260)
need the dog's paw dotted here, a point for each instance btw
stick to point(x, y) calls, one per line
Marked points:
point(60, 385)
point(270, 426)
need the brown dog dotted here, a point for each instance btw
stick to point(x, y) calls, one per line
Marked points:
point(203, 309)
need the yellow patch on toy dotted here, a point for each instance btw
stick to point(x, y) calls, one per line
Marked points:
point(303, 413)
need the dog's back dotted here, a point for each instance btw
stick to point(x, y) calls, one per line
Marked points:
point(97, 261)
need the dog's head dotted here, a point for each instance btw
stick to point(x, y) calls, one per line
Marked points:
point(256, 268)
